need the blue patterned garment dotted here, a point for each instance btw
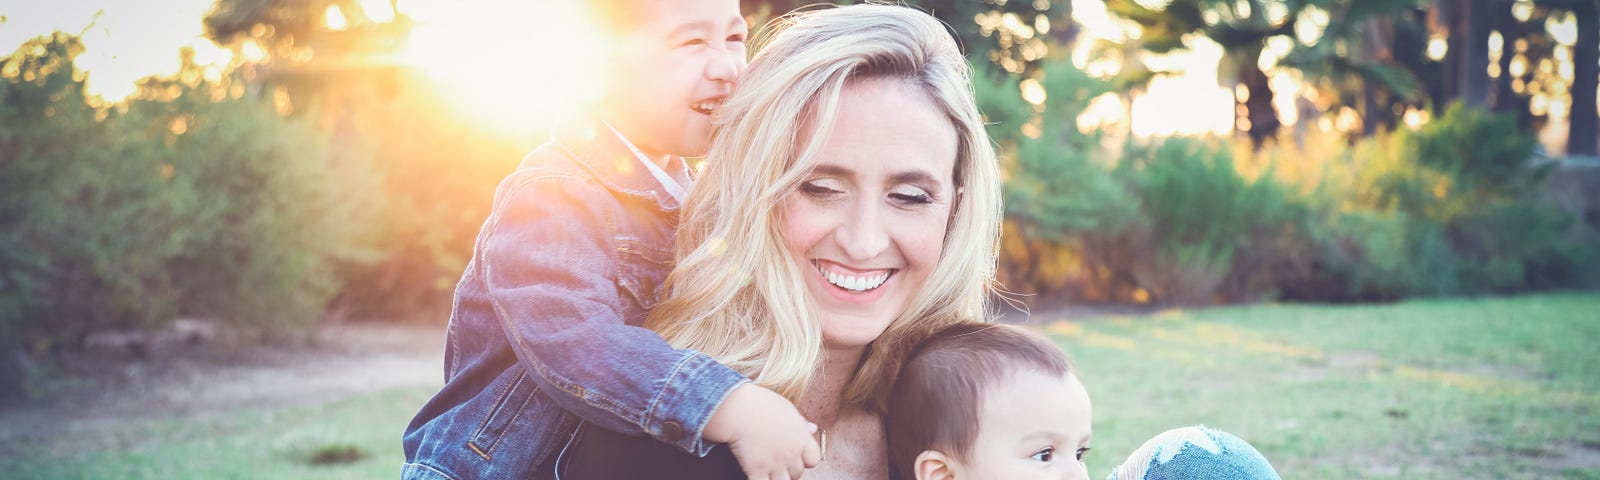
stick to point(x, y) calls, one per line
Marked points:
point(1195, 453)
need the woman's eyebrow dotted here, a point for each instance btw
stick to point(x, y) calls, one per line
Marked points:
point(915, 176)
point(833, 171)
point(910, 176)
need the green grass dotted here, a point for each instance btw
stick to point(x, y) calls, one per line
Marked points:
point(1460, 388)
point(356, 437)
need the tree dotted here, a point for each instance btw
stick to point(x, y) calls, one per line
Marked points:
point(1371, 54)
point(1585, 126)
point(1014, 35)
point(1241, 28)
point(1586, 80)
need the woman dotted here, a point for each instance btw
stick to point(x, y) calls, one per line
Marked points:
point(851, 206)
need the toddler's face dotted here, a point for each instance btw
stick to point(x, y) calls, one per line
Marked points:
point(1034, 425)
point(673, 70)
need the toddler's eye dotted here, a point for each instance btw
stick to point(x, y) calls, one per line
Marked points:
point(1047, 455)
point(1081, 452)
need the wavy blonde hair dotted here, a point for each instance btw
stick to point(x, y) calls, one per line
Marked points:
point(737, 294)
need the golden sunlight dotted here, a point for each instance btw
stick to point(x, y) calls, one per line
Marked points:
point(123, 41)
point(516, 65)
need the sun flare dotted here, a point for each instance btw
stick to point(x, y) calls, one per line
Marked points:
point(515, 64)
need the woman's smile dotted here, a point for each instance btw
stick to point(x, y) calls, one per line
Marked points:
point(852, 280)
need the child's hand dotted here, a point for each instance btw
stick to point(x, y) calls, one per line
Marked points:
point(766, 433)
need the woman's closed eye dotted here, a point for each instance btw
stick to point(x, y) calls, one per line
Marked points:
point(821, 189)
point(910, 197)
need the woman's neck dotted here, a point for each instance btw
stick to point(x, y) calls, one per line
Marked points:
point(824, 398)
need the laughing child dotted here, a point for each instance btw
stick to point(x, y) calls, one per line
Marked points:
point(544, 328)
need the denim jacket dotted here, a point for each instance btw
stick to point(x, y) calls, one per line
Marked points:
point(544, 330)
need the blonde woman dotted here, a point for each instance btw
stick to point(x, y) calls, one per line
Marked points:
point(851, 206)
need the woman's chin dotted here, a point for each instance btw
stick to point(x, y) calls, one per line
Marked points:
point(849, 339)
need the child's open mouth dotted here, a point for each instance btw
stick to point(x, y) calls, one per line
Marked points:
point(707, 106)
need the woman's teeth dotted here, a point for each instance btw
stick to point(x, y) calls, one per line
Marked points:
point(856, 283)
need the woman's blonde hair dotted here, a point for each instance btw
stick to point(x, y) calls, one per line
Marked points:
point(737, 294)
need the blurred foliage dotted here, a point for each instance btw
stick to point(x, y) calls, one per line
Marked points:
point(1015, 36)
point(193, 204)
point(1453, 208)
point(438, 168)
point(296, 186)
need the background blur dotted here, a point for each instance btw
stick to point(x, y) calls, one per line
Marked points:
point(275, 166)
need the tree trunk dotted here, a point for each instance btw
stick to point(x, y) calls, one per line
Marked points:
point(1443, 16)
point(1375, 46)
point(1470, 40)
point(1258, 107)
point(1373, 112)
point(1063, 29)
point(1586, 79)
point(1502, 98)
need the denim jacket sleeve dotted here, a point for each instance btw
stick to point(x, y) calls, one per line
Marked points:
point(552, 277)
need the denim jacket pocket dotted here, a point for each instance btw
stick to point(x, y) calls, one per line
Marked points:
point(641, 271)
point(511, 401)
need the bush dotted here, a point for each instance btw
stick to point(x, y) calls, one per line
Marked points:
point(1056, 189)
point(1196, 213)
point(186, 204)
point(1451, 209)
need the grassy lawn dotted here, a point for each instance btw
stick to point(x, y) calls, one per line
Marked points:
point(1474, 388)
point(1461, 388)
point(353, 438)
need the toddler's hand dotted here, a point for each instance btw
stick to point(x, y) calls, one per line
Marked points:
point(766, 433)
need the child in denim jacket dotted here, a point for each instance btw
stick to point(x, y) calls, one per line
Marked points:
point(544, 330)
point(997, 401)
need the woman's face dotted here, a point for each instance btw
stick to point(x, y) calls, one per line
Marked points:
point(867, 224)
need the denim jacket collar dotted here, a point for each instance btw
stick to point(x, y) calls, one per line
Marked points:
point(588, 141)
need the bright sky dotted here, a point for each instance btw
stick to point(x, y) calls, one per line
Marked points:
point(503, 80)
point(130, 39)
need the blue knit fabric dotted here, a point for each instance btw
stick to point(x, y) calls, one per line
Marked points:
point(1196, 453)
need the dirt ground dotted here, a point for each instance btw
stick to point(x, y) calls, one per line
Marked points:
point(100, 388)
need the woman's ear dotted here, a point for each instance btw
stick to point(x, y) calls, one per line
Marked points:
point(932, 465)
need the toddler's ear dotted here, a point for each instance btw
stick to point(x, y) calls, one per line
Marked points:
point(932, 465)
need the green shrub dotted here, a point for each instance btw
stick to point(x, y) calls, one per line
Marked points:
point(1057, 188)
point(1204, 232)
point(186, 204)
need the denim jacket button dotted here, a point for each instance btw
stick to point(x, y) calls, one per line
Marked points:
point(672, 431)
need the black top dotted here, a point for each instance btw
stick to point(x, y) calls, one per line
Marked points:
point(600, 454)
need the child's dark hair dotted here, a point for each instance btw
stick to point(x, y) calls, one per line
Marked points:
point(937, 397)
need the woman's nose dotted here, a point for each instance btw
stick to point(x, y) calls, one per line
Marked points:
point(863, 235)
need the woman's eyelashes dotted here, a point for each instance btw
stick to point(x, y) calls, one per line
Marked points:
point(821, 189)
point(1081, 452)
point(911, 197)
point(904, 197)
